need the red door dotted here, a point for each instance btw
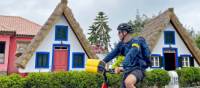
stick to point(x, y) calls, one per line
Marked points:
point(60, 60)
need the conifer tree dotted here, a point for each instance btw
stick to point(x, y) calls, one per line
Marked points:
point(99, 31)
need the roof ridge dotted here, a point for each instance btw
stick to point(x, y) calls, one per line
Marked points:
point(171, 10)
point(64, 1)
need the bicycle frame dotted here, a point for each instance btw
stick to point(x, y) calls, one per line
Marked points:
point(106, 82)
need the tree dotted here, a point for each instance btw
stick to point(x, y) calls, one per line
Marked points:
point(93, 35)
point(99, 34)
point(195, 35)
point(191, 31)
point(138, 23)
point(197, 40)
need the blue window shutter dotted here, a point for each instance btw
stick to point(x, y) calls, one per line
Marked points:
point(42, 60)
point(78, 60)
point(180, 59)
point(161, 60)
point(191, 61)
point(169, 37)
point(61, 33)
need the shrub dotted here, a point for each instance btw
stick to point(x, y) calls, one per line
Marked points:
point(189, 76)
point(12, 81)
point(77, 79)
point(157, 77)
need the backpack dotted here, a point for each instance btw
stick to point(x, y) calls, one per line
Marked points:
point(145, 52)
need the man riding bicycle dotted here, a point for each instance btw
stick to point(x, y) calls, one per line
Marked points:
point(133, 64)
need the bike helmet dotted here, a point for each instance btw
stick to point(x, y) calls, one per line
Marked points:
point(125, 27)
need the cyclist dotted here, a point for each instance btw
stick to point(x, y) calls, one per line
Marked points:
point(133, 64)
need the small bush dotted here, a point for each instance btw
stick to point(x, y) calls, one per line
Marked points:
point(157, 77)
point(189, 76)
point(38, 80)
point(115, 80)
point(12, 81)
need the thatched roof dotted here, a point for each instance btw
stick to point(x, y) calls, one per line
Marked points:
point(153, 29)
point(61, 9)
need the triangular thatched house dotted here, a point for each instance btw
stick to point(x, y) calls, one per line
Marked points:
point(171, 45)
point(60, 45)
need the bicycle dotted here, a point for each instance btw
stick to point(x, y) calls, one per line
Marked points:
point(96, 66)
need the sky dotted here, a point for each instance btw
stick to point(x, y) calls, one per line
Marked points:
point(118, 11)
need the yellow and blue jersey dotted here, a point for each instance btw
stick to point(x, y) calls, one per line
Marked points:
point(132, 54)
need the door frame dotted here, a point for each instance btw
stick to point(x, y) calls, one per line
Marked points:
point(68, 59)
point(176, 59)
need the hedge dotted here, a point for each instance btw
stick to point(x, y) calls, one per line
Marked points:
point(72, 79)
point(189, 77)
point(77, 79)
point(12, 81)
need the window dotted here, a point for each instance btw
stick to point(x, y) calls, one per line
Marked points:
point(61, 33)
point(2, 52)
point(169, 37)
point(186, 61)
point(78, 60)
point(42, 60)
point(155, 61)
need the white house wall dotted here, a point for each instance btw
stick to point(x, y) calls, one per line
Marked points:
point(179, 44)
point(47, 45)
